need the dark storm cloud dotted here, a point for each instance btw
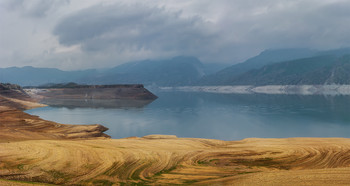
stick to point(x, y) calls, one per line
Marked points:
point(133, 27)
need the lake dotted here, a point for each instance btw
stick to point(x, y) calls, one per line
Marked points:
point(210, 115)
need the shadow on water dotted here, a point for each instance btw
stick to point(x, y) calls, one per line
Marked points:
point(96, 103)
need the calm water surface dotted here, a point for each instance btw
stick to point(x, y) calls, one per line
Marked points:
point(215, 116)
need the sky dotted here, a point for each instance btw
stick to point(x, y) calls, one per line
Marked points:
point(83, 34)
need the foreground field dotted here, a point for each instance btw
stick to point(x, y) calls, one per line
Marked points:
point(160, 160)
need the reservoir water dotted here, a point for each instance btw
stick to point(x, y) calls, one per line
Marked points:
point(214, 116)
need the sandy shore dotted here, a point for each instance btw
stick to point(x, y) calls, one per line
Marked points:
point(35, 150)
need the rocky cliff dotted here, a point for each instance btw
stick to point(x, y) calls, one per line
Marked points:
point(74, 91)
point(18, 125)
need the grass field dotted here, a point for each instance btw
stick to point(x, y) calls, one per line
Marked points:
point(145, 161)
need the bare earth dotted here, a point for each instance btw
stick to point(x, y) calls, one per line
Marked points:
point(35, 150)
point(18, 125)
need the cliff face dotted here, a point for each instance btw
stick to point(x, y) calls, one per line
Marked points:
point(17, 125)
point(13, 91)
point(131, 92)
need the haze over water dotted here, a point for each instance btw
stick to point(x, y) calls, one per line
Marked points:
point(216, 116)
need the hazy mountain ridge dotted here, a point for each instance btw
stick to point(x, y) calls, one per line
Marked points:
point(177, 71)
point(181, 70)
point(271, 67)
point(286, 67)
point(31, 76)
point(320, 70)
point(266, 57)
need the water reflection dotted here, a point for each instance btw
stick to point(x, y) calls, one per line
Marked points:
point(96, 103)
point(218, 116)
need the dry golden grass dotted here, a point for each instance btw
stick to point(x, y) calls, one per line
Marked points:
point(150, 161)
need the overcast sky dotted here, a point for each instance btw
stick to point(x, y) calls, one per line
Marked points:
point(81, 34)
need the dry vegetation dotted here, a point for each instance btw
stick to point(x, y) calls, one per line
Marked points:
point(152, 161)
point(39, 151)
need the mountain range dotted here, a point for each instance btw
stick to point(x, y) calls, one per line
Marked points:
point(294, 66)
point(177, 71)
point(319, 70)
point(286, 67)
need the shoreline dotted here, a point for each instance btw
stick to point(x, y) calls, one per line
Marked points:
point(15, 124)
point(268, 89)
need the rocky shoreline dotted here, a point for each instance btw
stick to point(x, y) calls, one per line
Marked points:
point(18, 125)
point(124, 92)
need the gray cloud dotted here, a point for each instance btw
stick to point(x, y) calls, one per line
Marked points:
point(102, 33)
point(134, 27)
point(34, 8)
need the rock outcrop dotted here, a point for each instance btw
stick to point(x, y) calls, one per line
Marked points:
point(18, 125)
point(130, 92)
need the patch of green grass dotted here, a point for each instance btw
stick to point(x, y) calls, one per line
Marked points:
point(136, 174)
point(190, 181)
point(112, 170)
point(103, 183)
point(20, 166)
point(262, 162)
point(58, 176)
point(202, 162)
point(28, 182)
point(134, 183)
point(166, 171)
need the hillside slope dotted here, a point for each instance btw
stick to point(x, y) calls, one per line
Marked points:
point(181, 70)
point(172, 72)
point(267, 57)
point(321, 70)
point(31, 76)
